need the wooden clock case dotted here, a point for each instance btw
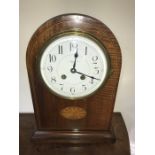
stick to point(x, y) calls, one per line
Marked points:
point(51, 126)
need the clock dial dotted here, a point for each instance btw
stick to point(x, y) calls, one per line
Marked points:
point(74, 66)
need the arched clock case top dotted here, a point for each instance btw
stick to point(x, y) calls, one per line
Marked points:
point(98, 107)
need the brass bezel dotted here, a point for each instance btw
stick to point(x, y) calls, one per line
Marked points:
point(83, 34)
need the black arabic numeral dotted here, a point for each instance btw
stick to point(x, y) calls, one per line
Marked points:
point(91, 80)
point(52, 58)
point(94, 59)
point(73, 46)
point(96, 70)
point(60, 49)
point(72, 90)
point(86, 50)
point(53, 79)
point(84, 87)
point(50, 68)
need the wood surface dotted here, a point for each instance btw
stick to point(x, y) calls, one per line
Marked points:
point(120, 147)
point(47, 107)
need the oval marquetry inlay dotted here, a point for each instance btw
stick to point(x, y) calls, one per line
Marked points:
point(73, 113)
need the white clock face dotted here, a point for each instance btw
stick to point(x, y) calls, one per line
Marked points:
point(73, 66)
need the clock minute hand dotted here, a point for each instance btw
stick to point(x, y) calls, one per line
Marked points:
point(87, 75)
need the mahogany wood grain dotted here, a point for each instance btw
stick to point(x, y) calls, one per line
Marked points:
point(47, 106)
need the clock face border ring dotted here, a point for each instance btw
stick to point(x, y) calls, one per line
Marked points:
point(77, 33)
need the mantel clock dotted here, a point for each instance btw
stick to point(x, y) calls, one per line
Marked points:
point(73, 64)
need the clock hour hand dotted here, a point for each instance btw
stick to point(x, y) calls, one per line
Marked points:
point(75, 56)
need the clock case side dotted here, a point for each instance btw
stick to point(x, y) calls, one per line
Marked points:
point(101, 104)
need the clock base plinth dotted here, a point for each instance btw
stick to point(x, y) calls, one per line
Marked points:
point(26, 147)
point(72, 137)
